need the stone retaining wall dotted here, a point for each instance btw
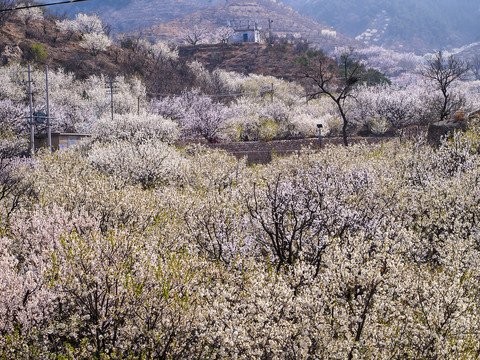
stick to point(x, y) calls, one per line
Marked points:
point(260, 152)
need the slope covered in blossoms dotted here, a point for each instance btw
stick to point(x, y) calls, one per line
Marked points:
point(129, 247)
point(127, 252)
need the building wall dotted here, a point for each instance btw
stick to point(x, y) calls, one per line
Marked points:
point(249, 35)
point(59, 141)
point(329, 33)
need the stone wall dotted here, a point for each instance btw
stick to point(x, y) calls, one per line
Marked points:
point(260, 152)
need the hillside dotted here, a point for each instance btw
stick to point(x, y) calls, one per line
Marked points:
point(468, 51)
point(17, 40)
point(286, 22)
point(167, 19)
point(419, 26)
point(407, 25)
point(41, 43)
point(247, 58)
point(133, 15)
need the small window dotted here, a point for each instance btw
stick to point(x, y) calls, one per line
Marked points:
point(245, 37)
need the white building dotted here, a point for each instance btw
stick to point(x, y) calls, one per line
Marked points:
point(329, 33)
point(244, 31)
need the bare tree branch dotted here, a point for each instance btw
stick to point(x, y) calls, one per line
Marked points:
point(443, 72)
point(335, 80)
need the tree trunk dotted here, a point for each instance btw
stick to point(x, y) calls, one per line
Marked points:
point(344, 133)
point(345, 123)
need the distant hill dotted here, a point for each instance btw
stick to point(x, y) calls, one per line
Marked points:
point(133, 15)
point(286, 22)
point(467, 52)
point(40, 43)
point(410, 25)
point(165, 19)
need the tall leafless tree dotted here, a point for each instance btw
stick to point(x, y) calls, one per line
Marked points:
point(335, 79)
point(443, 72)
point(195, 35)
point(224, 33)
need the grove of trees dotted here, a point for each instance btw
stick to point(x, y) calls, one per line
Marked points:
point(130, 247)
point(134, 249)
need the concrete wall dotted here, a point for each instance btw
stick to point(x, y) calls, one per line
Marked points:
point(59, 140)
point(260, 152)
point(240, 35)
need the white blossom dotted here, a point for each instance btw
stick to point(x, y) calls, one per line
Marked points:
point(96, 42)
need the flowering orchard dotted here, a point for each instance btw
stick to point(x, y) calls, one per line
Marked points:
point(134, 249)
point(131, 248)
point(225, 106)
point(91, 29)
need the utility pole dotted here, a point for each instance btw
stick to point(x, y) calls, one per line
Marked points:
point(111, 83)
point(111, 98)
point(49, 124)
point(30, 97)
point(37, 118)
point(270, 40)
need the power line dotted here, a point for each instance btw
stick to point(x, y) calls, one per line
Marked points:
point(40, 5)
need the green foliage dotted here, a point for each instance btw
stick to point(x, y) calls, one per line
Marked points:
point(302, 61)
point(268, 130)
point(374, 77)
point(306, 58)
point(127, 43)
point(313, 53)
point(36, 53)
